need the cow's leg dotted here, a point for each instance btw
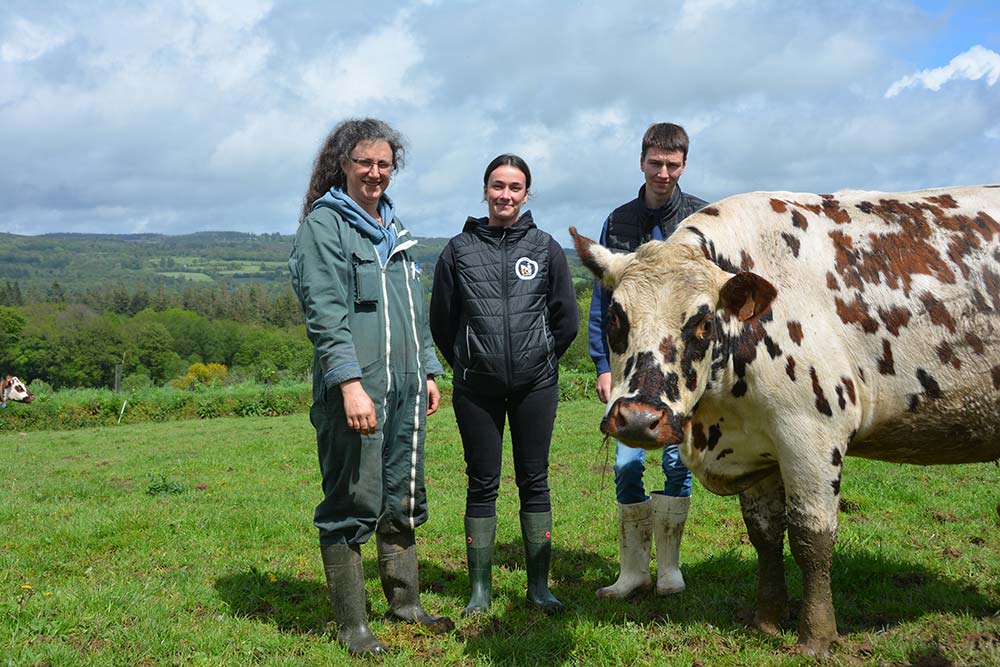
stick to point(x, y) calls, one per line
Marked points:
point(763, 506)
point(812, 531)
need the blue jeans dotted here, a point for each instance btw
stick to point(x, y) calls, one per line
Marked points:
point(630, 464)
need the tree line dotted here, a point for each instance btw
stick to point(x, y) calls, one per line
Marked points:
point(72, 345)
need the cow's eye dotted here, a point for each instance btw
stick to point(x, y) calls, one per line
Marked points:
point(706, 328)
point(617, 328)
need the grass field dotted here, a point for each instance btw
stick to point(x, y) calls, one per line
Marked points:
point(191, 543)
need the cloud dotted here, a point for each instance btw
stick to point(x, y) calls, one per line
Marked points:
point(26, 41)
point(180, 115)
point(976, 63)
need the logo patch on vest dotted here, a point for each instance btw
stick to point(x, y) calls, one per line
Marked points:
point(525, 268)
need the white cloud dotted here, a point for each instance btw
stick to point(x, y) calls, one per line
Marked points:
point(974, 64)
point(695, 12)
point(178, 115)
point(377, 68)
point(28, 41)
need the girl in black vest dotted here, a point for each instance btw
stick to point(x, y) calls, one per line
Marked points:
point(503, 310)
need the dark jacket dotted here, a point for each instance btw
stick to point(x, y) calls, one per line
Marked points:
point(503, 308)
point(628, 227)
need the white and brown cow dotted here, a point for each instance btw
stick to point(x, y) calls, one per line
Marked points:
point(775, 333)
point(12, 389)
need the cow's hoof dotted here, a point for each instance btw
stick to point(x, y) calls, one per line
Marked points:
point(768, 627)
point(812, 647)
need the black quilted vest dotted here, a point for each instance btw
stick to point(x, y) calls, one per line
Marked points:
point(503, 340)
point(630, 225)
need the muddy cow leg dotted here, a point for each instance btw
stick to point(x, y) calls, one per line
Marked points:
point(763, 507)
point(812, 532)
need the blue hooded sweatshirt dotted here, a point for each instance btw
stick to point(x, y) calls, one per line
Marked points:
point(382, 237)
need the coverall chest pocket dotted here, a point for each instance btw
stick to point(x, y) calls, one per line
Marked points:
point(367, 280)
point(366, 312)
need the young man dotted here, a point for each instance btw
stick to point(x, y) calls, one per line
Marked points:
point(654, 214)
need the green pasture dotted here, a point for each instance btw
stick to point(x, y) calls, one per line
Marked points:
point(190, 267)
point(191, 543)
point(194, 276)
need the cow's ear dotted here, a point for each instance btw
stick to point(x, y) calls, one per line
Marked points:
point(604, 264)
point(746, 296)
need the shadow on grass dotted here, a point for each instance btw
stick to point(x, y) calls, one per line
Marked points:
point(287, 602)
point(870, 593)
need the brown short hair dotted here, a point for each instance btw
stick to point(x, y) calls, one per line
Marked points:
point(667, 137)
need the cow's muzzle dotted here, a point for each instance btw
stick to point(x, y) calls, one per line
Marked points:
point(639, 424)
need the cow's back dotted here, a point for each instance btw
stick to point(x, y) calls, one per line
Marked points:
point(888, 305)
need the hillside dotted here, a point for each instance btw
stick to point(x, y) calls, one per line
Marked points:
point(78, 262)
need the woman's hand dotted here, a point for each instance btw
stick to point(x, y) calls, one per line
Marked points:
point(433, 396)
point(358, 407)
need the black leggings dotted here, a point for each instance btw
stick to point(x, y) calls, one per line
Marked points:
point(480, 422)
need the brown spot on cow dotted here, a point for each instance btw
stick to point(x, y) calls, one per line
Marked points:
point(831, 282)
point(886, 365)
point(943, 201)
point(723, 453)
point(947, 355)
point(930, 385)
point(991, 282)
point(979, 302)
point(746, 261)
point(795, 332)
point(711, 210)
point(975, 342)
point(995, 374)
point(773, 349)
point(714, 435)
point(778, 206)
point(832, 210)
point(895, 257)
point(894, 319)
point(792, 242)
point(790, 368)
point(822, 404)
point(849, 387)
point(668, 349)
point(647, 381)
point(938, 313)
point(841, 401)
point(812, 208)
point(856, 313)
point(837, 459)
point(701, 441)
point(799, 220)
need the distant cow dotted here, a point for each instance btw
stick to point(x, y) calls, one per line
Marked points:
point(775, 333)
point(12, 389)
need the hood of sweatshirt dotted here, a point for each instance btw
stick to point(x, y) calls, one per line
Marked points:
point(382, 237)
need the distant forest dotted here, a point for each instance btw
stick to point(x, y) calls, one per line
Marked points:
point(73, 307)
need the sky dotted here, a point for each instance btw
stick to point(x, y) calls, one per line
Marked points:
point(176, 116)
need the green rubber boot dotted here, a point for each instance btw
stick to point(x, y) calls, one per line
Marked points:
point(345, 586)
point(480, 533)
point(536, 530)
point(397, 568)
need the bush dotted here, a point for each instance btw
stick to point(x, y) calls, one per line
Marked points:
point(40, 388)
point(199, 374)
point(136, 381)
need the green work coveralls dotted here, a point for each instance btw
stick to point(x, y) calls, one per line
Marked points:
point(366, 321)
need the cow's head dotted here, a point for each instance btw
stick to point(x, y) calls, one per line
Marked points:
point(12, 389)
point(665, 324)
